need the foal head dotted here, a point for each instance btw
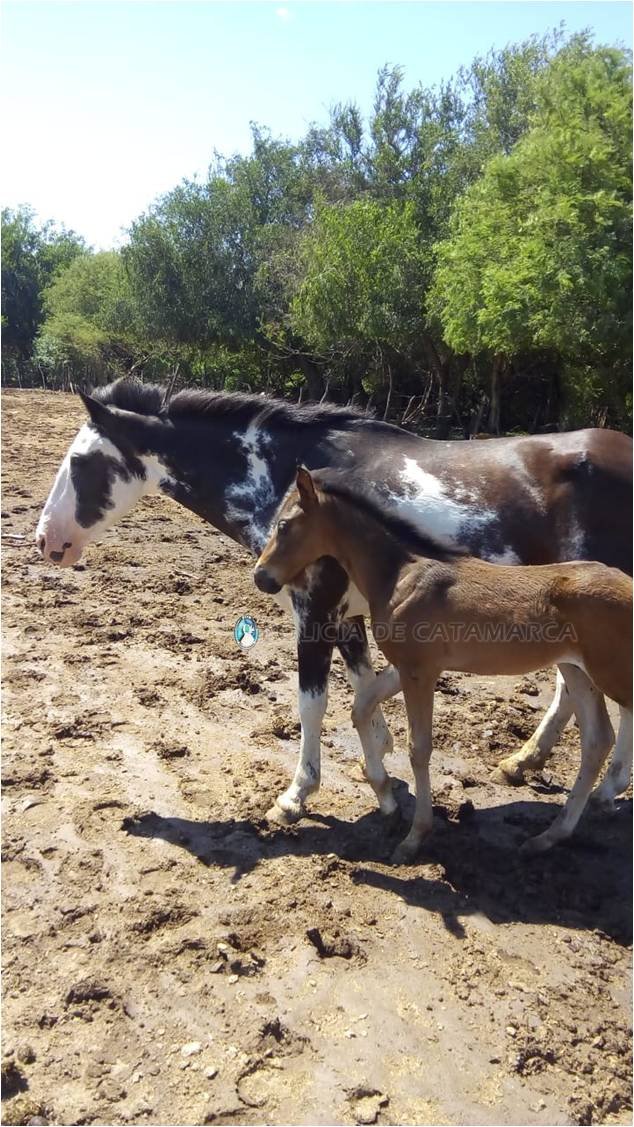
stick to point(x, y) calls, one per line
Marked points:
point(299, 538)
point(100, 479)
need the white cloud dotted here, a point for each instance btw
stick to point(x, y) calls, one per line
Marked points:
point(283, 14)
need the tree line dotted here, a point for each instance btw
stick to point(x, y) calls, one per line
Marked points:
point(461, 259)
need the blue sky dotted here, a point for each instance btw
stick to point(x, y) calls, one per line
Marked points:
point(108, 104)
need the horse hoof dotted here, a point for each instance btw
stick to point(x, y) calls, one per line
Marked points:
point(534, 845)
point(602, 802)
point(404, 854)
point(279, 817)
point(508, 773)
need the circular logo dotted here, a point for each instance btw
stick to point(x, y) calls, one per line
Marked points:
point(246, 632)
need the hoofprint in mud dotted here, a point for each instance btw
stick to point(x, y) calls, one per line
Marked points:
point(231, 459)
point(170, 959)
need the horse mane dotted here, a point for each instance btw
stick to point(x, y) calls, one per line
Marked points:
point(194, 404)
point(131, 395)
point(419, 543)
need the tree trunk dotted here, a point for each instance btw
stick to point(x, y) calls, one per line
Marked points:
point(313, 377)
point(494, 407)
point(390, 390)
point(440, 366)
point(442, 408)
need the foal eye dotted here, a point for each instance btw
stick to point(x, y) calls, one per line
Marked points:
point(282, 527)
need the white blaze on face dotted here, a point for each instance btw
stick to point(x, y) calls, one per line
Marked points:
point(59, 535)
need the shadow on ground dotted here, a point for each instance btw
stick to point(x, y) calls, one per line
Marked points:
point(474, 862)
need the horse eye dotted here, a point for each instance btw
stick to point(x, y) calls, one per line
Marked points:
point(282, 527)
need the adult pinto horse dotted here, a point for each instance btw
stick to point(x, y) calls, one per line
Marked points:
point(231, 458)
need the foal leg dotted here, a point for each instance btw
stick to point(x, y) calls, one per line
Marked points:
point(368, 719)
point(618, 773)
point(540, 746)
point(597, 737)
point(386, 684)
point(419, 701)
point(314, 656)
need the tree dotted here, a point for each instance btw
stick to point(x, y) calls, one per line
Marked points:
point(91, 323)
point(539, 251)
point(363, 276)
point(31, 257)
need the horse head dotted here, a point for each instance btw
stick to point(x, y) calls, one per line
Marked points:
point(103, 474)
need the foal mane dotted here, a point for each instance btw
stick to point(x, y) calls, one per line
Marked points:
point(194, 404)
point(408, 537)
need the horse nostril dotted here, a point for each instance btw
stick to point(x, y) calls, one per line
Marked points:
point(56, 557)
point(67, 545)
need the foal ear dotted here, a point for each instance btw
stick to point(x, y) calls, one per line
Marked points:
point(305, 488)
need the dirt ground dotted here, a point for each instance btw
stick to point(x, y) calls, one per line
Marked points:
point(169, 958)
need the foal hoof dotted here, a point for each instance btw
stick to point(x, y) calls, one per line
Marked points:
point(278, 817)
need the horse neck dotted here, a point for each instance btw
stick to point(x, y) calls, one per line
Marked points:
point(234, 476)
point(370, 553)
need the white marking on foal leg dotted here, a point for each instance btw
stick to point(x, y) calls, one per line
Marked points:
point(375, 736)
point(597, 737)
point(540, 746)
point(312, 707)
point(618, 774)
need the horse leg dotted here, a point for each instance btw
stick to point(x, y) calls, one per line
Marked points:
point(618, 774)
point(367, 717)
point(314, 655)
point(597, 737)
point(540, 746)
point(419, 701)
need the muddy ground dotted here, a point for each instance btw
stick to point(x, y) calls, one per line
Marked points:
point(171, 959)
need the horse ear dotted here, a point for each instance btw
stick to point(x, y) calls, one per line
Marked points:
point(99, 413)
point(117, 425)
point(305, 488)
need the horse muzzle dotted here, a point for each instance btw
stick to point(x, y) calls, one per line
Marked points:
point(64, 554)
point(265, 582)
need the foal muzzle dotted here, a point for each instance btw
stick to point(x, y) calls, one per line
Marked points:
point(264, 581)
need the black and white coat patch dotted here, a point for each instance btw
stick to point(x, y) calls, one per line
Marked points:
point(231, 459)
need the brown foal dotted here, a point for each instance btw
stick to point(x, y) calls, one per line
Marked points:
point(434, 610)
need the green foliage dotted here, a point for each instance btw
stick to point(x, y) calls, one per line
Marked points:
point(539, 251)
point(31, 257)
point(363, 276)
point(467, 246)
point(90, 316)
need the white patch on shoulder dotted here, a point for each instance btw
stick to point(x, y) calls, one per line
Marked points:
point(515, 465)
point(428, 507)
point(250, 497)
point(508, 556)
point(575, 544)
